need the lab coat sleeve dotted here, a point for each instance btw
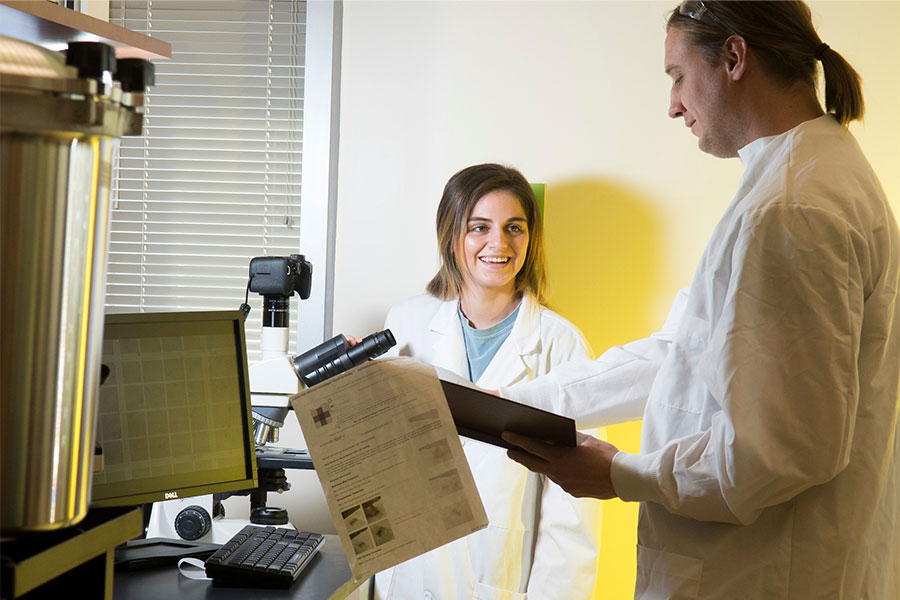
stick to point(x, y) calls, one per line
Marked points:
point(393, 322)
point(611, 389)
point(405, 324)
point(565, 553)
point(781, 363)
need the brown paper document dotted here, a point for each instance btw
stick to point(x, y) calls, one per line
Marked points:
point(390, 462)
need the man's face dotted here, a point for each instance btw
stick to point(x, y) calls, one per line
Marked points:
point(700, 95)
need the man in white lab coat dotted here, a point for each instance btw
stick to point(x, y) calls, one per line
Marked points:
point(770, 452)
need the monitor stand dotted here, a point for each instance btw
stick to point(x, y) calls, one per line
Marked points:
point(157, 552)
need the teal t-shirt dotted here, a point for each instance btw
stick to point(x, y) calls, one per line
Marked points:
point(482, 344)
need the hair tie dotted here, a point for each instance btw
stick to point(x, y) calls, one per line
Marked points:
point(820, 51)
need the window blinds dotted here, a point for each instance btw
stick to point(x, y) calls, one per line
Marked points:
point(216, 178)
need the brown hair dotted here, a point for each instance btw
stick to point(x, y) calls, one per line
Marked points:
point(461, 193)
point(783, 36)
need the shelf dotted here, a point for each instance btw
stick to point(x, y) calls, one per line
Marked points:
point(53, 26)
point(52, 564)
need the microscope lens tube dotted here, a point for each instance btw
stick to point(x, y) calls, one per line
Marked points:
point(335, 356)
point(371, 346)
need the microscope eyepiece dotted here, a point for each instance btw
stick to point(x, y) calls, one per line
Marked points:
point(336, 355)
point(374, 345)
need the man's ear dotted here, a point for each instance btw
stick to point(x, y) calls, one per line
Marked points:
point(734, 56)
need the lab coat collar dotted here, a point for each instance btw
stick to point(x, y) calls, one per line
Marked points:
point(524, 342)
point(519, 354)
point(527, 339)
point(750, 153)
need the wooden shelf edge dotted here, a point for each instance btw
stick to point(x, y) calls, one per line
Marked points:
point(53, 26)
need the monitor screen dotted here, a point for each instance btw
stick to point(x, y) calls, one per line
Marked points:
point(174, 411)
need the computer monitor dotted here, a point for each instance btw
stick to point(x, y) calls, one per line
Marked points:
point(174, 414)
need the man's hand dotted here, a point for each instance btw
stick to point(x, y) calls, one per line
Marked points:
point(581, 471)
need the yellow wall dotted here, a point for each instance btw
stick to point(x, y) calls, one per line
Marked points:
point(604, 248)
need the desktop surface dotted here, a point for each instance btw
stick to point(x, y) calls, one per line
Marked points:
point(327, 574)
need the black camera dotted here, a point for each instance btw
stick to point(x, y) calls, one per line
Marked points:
point(281, 275)
point(336, 355)
point(277, 278)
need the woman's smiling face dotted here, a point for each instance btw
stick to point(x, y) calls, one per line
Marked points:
point(495, 243)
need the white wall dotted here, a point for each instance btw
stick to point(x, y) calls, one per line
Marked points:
point(561, 90)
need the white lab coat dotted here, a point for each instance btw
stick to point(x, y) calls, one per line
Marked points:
point(539, 543)
point(770, 452)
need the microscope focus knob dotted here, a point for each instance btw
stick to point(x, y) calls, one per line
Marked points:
point(193, 523)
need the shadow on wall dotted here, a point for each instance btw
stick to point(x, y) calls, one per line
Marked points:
point(604, 260)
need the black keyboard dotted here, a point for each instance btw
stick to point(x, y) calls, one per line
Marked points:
point(263, 557)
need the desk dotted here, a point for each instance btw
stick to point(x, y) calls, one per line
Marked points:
point(326, 575)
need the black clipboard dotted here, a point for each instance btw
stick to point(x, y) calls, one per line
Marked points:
point(483, 416)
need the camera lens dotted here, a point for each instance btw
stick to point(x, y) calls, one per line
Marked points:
point(374, 345)
point(335, 356)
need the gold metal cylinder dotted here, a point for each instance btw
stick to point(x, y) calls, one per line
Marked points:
point(58, 135)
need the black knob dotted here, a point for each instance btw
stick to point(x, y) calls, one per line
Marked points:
point(91, 58)
point(193, 523)
point(135, 74)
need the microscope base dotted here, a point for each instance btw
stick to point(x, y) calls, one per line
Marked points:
point(162, 521)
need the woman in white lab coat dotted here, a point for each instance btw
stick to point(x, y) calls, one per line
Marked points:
point(484, 319)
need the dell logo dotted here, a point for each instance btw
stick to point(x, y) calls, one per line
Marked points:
point(171, 495)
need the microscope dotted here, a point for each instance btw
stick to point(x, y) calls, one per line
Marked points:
point(278, 376)
point(273, 380)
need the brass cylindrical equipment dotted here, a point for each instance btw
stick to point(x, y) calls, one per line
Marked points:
point(59, 130)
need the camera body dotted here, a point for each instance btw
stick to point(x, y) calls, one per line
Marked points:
point(281, 275)
point(277, 278)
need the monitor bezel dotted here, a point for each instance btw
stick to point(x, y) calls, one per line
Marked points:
point(250, 480)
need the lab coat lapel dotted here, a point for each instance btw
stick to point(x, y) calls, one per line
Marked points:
point(518, 355)
point(448, 350)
